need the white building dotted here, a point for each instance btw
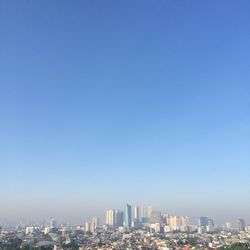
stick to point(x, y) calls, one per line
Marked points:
point(29, 230)
point(110, 217)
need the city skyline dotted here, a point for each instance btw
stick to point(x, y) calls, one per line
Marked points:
point(129, 215)
point(108, 102)
point(122, 230)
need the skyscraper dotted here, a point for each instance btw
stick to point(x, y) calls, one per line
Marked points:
point(118, 218)
point(110, 217)
point(52, 222)
point(241, 225)
point(203, 221)
point(127, 216)
point(137, 214)
point(178, 222)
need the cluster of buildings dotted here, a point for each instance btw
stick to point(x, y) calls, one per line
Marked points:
point(144, 216)
point(139, 227)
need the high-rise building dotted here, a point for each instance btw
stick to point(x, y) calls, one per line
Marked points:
point(176, 222)
point(110, 217)
point(114, 218)
point(137, 214)
point(203, 221)
point(241, 225)
point(88, 227)
point(118, 218)
point(127, 216)
point(95, 221)
point(92, 225)
point(52, 222)
point(184, 221)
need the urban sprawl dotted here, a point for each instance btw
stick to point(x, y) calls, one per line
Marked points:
point(140, 227)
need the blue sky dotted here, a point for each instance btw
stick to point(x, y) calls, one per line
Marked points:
point(108, 102)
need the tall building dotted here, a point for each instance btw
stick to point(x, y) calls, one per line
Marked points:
point(110, 217)
point(137, 213)
point(184, 221)
point(118, 218)
point(176, 222)
point(52, 222)
point(95, 222)
point(241, 225)
point(127, 216)
point(88, 227)
point(203, 221)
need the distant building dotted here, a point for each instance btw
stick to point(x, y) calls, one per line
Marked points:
point(47, 230)
point(155, 227)
point(95, 221)
point(203, 221)
point(88, 227)
point(52, 222)
point(178, 222)
point(127, 216)
point(110, 217)
point(29, 230)
point(241, 225)
point(137, 214)
point(118, 218)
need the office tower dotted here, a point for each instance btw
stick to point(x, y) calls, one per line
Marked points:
point(184, 221)
point(95, 221)
point(87, 226)
point(52, 222)
point(94, 224)
point(241, 225)
point(127, 216)
point(118, 218)
point(203, 221)
point(110, 217)
point(175, 222)
point(137, 213)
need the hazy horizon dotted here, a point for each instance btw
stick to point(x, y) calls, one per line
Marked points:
point(104, 103)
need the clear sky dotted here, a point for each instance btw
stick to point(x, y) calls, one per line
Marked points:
point(108, 102)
